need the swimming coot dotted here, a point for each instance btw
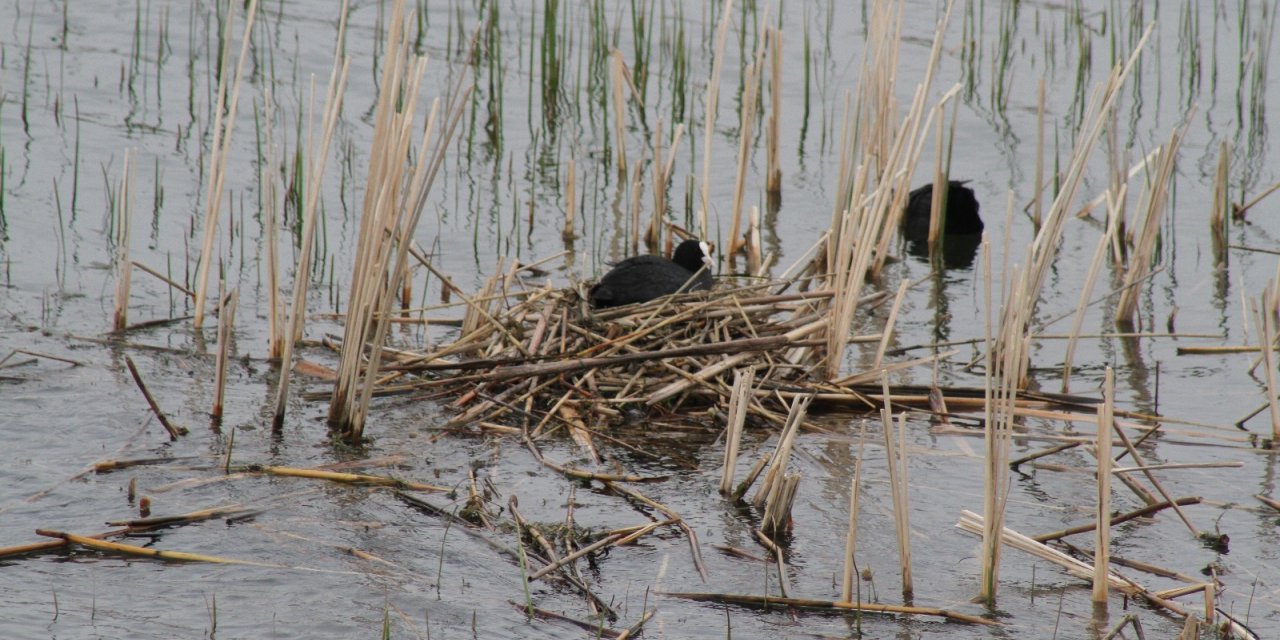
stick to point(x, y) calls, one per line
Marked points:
point(961, 213)
point(643, 278)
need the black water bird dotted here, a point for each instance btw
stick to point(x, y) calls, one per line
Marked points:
point(643, 278)
point(961, 215)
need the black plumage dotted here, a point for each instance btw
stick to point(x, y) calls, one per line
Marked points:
point(643, 278)
point(961, 215)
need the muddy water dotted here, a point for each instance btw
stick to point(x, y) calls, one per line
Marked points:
point(81, 84)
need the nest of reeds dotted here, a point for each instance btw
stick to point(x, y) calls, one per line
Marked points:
point(543, 355)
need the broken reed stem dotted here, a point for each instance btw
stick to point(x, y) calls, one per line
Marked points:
point(174, 431)
point(226, 324)
point(616, 81)
point(746, 125)
point(709, 121)
point(570, 201)
point(851, 535)
point(1044, 247)
point(661, 182)
point(1102, 534)
point(773, 169)
point(1264, 318)
point(887, 334)
point(220, 148)
point(1155, 195)
point(123, 227)
point(895, 449)
point(755, 266)
point(778, 489)
point(739, 399)
point(316, 159)
point(270, 177)
point(1221, 203)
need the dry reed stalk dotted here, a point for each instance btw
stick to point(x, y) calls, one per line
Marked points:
point(271, 214)
point(874, 187)
point(1265, 319)
point(673, 516)
point(158, 554)
point(1006, 358)
point(345, 478)
point(570, 201)
point(174, 431)
point(637, 179)
point(1118, 519)
point(1154, 197)
point(1102, 533)
point(393, 206)
point(851, 535)
point(163, 278)
point(754, 264)
point(1100, 105)
point(887, 334)
point(777, 489)
point(123, 229)
point(1221, 202)
point(709, 121)
point(1086, 290)
point(808, 603)
point(662, 182)
point(617, 73)
point(1038, 200)
point(226, 326)
point(738, 401)
point(315, 175)
point(220, 148)
point(938, 201)
point(895, 449)
point(746, 128)
point(773, 169)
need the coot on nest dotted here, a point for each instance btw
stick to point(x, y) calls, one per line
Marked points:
point(961, 213)
point(643, 278)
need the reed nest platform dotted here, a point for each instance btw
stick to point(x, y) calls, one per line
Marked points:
point(539, 356)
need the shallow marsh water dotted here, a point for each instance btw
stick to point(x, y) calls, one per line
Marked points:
point(83, 82)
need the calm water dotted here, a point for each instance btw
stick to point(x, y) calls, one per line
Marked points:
point(80, 84)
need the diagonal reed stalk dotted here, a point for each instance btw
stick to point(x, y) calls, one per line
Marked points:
point(220, 149)
point(1095, 266)
point(895, 450)
point(316, 159)
point(1154, 198)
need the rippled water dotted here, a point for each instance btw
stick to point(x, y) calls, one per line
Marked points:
point(82, 83)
